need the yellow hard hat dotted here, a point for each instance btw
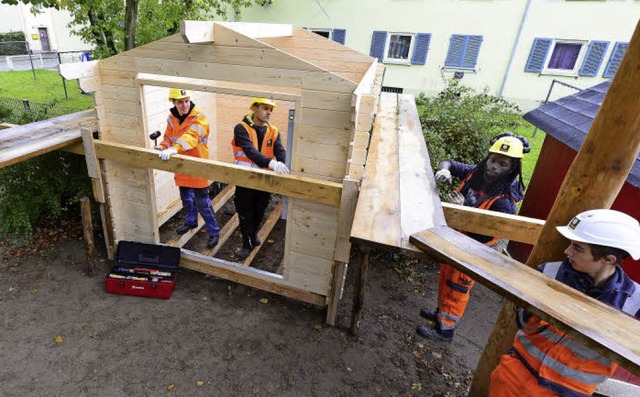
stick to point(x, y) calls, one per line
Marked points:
point(178, 93)
point(259, 101)
point(509, 146)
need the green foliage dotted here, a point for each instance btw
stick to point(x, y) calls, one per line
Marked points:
point(459, 122)
point(13, 43)
point(40, 189)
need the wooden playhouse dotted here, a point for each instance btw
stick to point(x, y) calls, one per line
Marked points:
point(326, 95)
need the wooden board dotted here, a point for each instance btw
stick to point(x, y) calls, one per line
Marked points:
point(397, 195)
point(553, 301)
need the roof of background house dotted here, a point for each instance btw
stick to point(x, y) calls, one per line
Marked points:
point(568, 120)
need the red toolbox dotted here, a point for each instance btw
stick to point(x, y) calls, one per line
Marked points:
point(144, 270)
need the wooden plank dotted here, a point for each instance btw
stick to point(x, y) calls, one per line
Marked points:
point(93, 166)
point(197, 31)
point(559, 304)
point(419, 202)
point(252, 277)
point(78, 70)
point(259, 30)
point(289, 185)
point(225, 233)
point(348, 204)
point(309, 273)
point(376, 218)
point(511, 227)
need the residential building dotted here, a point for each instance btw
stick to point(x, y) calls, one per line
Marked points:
point(515, 48)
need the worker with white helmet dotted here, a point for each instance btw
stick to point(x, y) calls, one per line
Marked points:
point(256, 143)
point(187, 133)
point(494, 184)
point(545, 361)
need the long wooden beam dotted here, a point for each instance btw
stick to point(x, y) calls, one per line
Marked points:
point(490, 223)
point(564, 307)
point(594, 180)
point(288, 185)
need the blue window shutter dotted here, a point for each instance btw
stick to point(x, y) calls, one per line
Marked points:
point(471, 51)
point(456, 47)
point(378, 42)
point(593, 59)
point(338, 35)
point(538, 55)
point(616, 57)
point(420, 49)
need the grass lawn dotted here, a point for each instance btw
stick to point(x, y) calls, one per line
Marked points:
point(47, 87)
point(530, 159)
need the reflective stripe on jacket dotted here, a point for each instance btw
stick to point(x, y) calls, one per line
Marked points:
point(268, 142)
point(561, 363)
point(190, 139)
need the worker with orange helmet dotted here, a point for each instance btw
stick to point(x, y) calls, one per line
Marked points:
point(257, 144)
point(187, 133)
point(545, 361)
point(494, 184)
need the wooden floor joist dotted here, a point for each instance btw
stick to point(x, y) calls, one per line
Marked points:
point(614, 334)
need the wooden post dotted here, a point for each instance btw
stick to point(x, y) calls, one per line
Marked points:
point(362, 273)
point(87, 228)
point(593, 181)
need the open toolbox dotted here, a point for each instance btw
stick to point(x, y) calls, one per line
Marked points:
point(144, 270)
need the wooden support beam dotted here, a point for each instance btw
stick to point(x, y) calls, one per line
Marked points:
point(256, 278)
point(225, 233)
point(593, 181)
point(93, 165)
point(564, 307)
point(491, 223)
point(288, 185)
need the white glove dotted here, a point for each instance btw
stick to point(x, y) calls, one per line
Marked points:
point(443, 175)
point(167, 153)
point(278, 167)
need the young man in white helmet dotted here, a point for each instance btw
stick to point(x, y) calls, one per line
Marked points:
point(256, 143)
point(187, 133)
point(545, 361)
point(494, 184)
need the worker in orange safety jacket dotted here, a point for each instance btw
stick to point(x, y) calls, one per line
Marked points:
point(187, 133)
point(256, 143)
point(494, 184)
point(545, 361)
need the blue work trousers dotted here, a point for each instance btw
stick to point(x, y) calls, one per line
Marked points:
point(196, 200)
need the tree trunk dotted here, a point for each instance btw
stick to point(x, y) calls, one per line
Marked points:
point(130, 18)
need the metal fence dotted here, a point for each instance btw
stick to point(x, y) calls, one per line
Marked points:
point(16, 110)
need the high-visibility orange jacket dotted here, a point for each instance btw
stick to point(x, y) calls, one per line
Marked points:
point(561, 363)
point(189, 138)
point(267, 149)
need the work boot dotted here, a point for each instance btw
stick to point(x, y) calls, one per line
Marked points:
point(245, 250)
point(184, 228)
point(255, 241)
point(213, 241)
point(431, 315)
point(432, 333)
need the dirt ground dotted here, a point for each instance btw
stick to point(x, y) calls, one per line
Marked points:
point(63, 335)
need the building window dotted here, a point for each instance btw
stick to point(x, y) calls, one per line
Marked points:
point(463, 51)
point(400, 48)
point(337, 35)
point(566, 57)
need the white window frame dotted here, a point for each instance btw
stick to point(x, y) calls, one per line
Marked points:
point(397, 61)
point(576, 67)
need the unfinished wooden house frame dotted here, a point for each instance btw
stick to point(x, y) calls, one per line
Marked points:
point(326, 96)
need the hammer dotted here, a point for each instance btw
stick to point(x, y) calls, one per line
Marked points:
point(155, 135)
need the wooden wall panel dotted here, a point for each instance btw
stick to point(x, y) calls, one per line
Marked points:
point(310, 273)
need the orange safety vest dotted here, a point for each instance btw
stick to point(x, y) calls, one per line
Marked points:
point(268, 141)
point(558, 359)
point(484, 205)
point(189, 138)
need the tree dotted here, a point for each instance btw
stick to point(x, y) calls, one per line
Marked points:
point(112, 26)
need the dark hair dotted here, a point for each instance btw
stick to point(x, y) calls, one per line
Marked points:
point(502, 185)
point(600, 251)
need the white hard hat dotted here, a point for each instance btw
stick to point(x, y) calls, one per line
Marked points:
point(609, 228)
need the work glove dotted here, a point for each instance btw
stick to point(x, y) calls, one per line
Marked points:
point(278, 167)
point(455, 198)
point(443, 175)
point(167, 153)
